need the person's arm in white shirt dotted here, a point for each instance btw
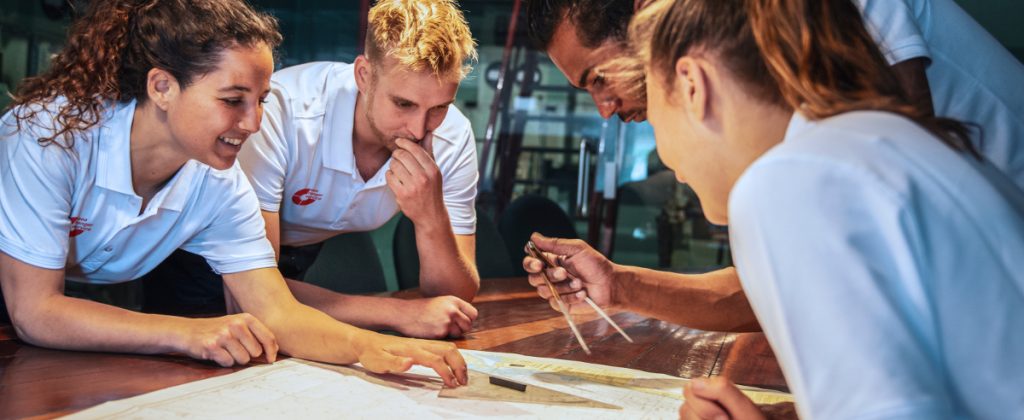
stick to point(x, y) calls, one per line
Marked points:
point(307, 333)
point(915, 82)
point(235, 243)
point(447, 260)
point(42, 315)
point(264, 158)
point(435, 317)
point(894, 27)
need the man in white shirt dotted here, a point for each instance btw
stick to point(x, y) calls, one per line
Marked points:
point(344, 147)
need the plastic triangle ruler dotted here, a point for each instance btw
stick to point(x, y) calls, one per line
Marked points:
point(481, 388)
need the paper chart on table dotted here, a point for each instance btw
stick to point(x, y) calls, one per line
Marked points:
point(310, 390)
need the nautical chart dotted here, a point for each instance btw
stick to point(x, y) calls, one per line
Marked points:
point(297, 388)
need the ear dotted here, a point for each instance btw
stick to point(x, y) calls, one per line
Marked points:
point(161, 87)
point(364, 74)
point(692, 87)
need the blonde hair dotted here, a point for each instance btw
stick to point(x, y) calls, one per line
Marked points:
point(422, 35)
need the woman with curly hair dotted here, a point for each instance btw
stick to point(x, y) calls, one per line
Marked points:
point(125, 151)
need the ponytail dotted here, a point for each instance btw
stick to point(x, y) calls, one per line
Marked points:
point(825, 63)
point(811, 55)
point(113, 46)
point(710, 27)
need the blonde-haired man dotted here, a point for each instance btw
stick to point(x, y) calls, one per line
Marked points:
point(344, 147)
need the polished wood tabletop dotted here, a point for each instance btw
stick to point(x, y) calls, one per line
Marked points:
point(37, 382)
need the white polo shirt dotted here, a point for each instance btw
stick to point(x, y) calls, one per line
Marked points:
point(302, 166)
point(972, 77)
point(885, 269)
point(76, 208)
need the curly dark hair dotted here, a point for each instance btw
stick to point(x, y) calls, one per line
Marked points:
point(112, 47)
point(596, 20)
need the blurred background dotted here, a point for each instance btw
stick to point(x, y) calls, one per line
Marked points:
point(549, 161)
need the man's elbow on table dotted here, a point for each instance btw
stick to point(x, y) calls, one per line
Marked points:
point(465, 290)
point(29, 324)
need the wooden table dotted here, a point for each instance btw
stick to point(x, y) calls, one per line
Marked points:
point(36, 382)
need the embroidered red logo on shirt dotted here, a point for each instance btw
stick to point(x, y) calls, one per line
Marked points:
point(79, 226)
point(306, 196)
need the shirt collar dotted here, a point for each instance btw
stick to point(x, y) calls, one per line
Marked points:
point(114, 163)
point(174, 195)
point(336, 137)
point(797, 125)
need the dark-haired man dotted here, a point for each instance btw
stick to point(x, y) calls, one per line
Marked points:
point(579, 35)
